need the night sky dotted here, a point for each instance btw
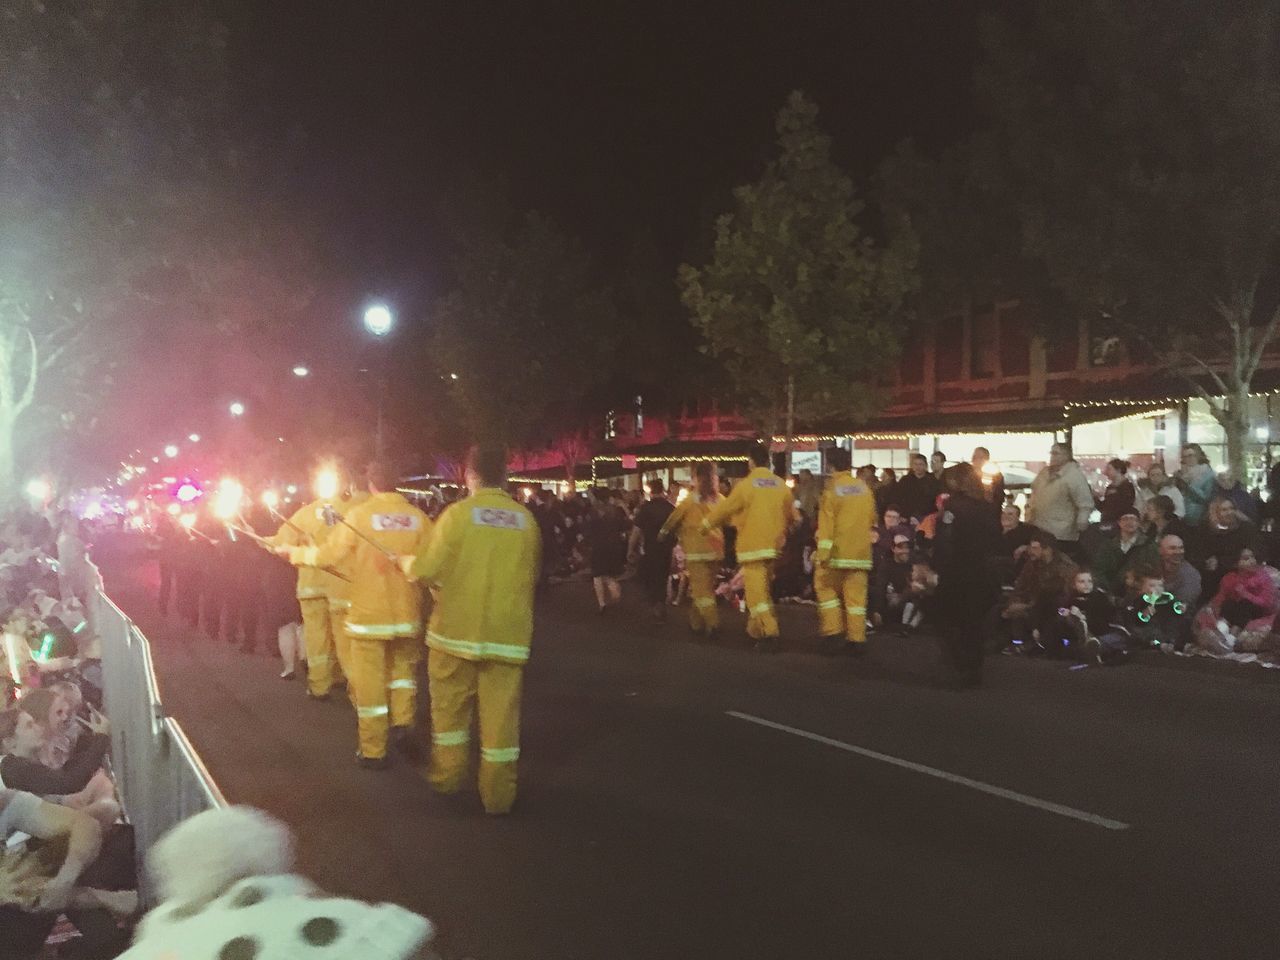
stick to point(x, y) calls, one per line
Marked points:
point(628, 123)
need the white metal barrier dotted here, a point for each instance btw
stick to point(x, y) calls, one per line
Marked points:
point(161, 779)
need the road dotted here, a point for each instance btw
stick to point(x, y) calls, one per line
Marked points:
point(660, 816)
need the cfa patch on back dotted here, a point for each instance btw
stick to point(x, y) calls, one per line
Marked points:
point(497, 517)
point(850, 490)
point(765, 481)
point(395, 522)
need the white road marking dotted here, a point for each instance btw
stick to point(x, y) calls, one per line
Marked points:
point(1058, 808)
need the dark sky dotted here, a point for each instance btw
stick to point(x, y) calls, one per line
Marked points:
point(625, 122)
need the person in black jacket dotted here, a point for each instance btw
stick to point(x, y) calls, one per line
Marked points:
point(915, 495)
point(968, 586)
point(655, 561)
point(21, 739)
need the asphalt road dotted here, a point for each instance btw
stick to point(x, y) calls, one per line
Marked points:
point(655, 821)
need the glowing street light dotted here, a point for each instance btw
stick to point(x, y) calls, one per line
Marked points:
point(193, 437)
point(300, 371)
point(236, 408)
point(171, 451)
point(378, 320)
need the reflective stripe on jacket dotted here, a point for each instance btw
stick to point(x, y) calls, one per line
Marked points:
point(699, 545)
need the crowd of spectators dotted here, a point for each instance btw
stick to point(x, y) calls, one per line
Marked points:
point(67, 862)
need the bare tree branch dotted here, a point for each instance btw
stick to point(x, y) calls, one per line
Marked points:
point(33, 374)
point(1264, 340)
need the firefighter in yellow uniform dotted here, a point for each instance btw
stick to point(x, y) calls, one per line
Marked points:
point(482, 563)
point(384, 621)
point(762, 508)
point(703, 551)
point(307, 528)
point(338, 594)
point(846, 514)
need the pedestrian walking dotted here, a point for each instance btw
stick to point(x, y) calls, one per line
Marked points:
point(703, 552)
point(655, 560)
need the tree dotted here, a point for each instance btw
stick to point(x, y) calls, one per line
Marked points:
point(525, 329)
point(797, 303)
point(1139, 151)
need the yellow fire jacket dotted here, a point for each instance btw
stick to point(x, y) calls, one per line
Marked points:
point(762, 507)
point(384, 602)
point(339, 590)
point(482, 563)
point(846, 514)
point(307, 528)
point(685, 522)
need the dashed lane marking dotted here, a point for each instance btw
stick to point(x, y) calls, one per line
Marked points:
point(1060, 809)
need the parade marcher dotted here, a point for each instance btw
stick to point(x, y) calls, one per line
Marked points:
point(482, 563)
point(337, 593)
point(384, 621)
point(761, 508)
point(846, 514)
point(655, 562)
point(310, 527)
point(702, 553)
point(968, 586)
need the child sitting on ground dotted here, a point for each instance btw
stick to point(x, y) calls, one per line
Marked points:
point(923, 582)
point(1089, 614)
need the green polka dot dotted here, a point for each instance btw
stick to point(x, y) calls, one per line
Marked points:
point(321, 931)
point(241, 948)
point(185, 911)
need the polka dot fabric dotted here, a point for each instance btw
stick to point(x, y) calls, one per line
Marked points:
point(279, 918)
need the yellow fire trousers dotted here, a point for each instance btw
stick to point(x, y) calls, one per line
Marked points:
point(342, 645)
point(703, 615)
point(757, 581)
point(323, 668)
point(456, 686)
point(842, 602)
point(383, 675)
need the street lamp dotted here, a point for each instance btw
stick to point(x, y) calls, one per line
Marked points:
point(171, 451)
point(378, 320)
point(236, 408)
point(300, 371)
point(194, 437)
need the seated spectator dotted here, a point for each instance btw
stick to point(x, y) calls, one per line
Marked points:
point(1159, 519)
point(884, 536)
point(76, 785)
point(1038, 593)
point(1158, 483)
point(1222, 540)
point(1227, 486)
point(60, 873)
point(1242, 612)
point(891, 584)
point(924, 581)
point(1119, 496)
point(1129, 547)
point(1015, 536)
point(1152, 616)
point(1088, 615)
point(1180, 578)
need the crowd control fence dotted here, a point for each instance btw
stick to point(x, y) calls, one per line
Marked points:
point(160, 777)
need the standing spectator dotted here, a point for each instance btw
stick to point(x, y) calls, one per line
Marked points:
point(915, 495)
point(938, 465)
point(75, 572)
point(1129, 548)
point(1061, 500)
point(1232, 489)
point(1197, 483)
point(1221, 542)
point(1156, 483)
point(1119, 496)
point(992, 483)
point(968, 537)
point(808, 493)
point(607, 538)
point(884, 492)
point(1180, 578)
point(655, 561)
